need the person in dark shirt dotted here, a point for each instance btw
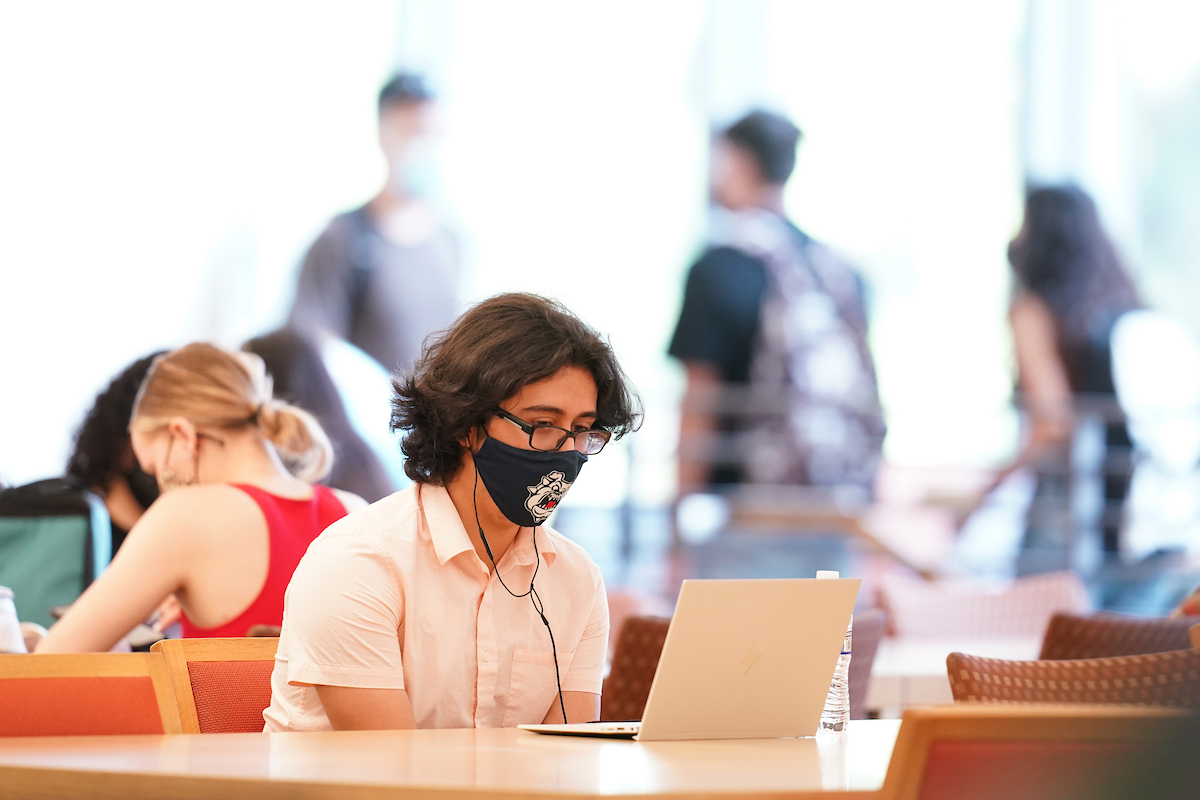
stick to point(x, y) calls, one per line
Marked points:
point(773, 336)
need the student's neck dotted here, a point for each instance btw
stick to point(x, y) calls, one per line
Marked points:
point(468, 500)
point(245, 458)
point(771, 199)
point(387, 203)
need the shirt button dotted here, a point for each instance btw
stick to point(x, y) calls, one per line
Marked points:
point(486, 658)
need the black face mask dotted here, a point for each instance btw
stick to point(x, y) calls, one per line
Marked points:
point(526, 485)
point(144, 487)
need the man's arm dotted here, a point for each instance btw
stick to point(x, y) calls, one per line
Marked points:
point(323, 302)
point(581, 707)
point(350, 709)
point(697, 423)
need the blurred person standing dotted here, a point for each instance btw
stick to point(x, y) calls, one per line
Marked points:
point(385, 275)
point(773, 336)
point(1071, 290)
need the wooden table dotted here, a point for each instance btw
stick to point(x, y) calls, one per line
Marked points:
point(444, 764)
point(911, 671)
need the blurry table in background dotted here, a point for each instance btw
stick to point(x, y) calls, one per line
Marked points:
point(911, 671)
point(444, 764)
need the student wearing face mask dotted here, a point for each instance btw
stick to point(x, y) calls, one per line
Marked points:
point(451, 604)
point(385, 275)
point(231, 522)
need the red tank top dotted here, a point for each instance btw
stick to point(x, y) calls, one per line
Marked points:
point(291, 527)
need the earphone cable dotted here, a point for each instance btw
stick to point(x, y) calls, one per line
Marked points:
point(534, 599)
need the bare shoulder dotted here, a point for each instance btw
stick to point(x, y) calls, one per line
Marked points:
point(350, 500)
point(200, 506)
point(184, 519)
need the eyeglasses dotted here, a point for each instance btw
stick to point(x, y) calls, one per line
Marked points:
point(547, 438)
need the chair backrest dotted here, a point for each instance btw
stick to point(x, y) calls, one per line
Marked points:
point(221, 685)
point(1108, 635)
point(86, 694)
point(1194, 635)
point(639, 645)
point(1159, 679)
point(55, 538)
point(868, 630)
point(917, 608)
point(1028, 752)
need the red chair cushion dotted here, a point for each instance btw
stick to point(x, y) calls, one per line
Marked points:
point(91, 706)
point(231, 695)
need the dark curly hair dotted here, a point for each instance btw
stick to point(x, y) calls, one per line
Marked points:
point(488, 355)
point(1064, 257)
point(102, 450)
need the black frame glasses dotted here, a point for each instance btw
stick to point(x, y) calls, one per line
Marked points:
point(588, 442)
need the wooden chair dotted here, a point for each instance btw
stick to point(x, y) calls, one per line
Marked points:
point(918, 608)
point(221, 685)
point(86, 694)
point(869, 627)
point(627, 687)
point(1028, 752)
point(1109, 635)
point(1159, 679)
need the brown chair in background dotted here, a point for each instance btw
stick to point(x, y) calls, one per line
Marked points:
point(627, 687)
point(1194, 635)
point(920, 608)
point(221, 685)
point(85, 694)
point(869, 627)
point(1028, 752)
point(1158, 679)
point(1109, 635)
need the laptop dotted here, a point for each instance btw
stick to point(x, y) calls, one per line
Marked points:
point(743, 659)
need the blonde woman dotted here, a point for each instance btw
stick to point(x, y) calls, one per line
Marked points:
point(232, 521)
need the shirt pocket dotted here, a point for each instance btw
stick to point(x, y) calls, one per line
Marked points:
point(531, 686)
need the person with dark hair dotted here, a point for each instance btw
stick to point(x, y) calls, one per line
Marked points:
point(1070, 291)
point(772, 334)
point(300, 378)
point(451, 604)
point(102, 458)
point(385, 275)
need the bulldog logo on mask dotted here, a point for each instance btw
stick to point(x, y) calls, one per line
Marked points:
point(545, 497)
point(527, 485)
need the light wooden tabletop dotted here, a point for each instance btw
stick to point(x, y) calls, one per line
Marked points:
point(443, 764)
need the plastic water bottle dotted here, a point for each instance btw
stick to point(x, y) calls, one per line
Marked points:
point(837, 703)
point(11, 640)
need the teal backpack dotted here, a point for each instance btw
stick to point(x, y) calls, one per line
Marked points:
point(55, 539)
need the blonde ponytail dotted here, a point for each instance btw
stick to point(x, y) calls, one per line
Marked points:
point(298, 438)
point(213, 387)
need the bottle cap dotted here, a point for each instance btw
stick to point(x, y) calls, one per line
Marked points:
point(828, 573)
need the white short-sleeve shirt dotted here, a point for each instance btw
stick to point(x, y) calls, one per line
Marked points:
point(395, 597)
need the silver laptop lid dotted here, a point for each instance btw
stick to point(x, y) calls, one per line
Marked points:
point(748, 659)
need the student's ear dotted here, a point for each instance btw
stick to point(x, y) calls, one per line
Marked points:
point(474, 438)
point(184, 433)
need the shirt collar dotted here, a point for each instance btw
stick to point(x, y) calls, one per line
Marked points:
point(450, 538)
point(522, 547)
point(445, 526)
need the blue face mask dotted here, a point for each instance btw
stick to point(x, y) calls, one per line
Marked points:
point(526, 485)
